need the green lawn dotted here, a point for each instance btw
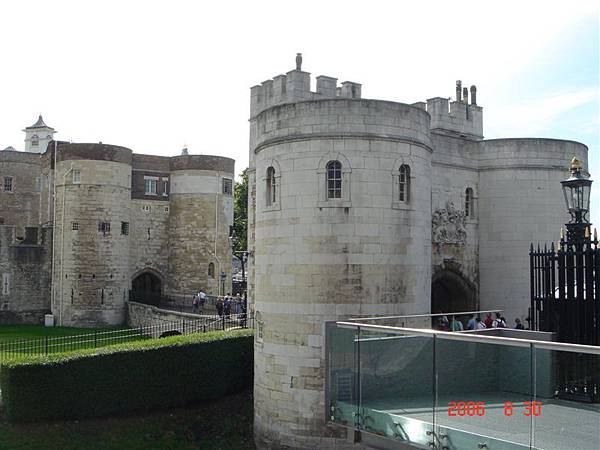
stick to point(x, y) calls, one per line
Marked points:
point(223, 424)
point(21, 332)
point(26, 340)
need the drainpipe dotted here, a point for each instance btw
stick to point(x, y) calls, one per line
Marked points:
point(62, 237)
point(53, 173)
point(217, 233)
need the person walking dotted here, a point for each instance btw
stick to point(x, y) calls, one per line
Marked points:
point(195, 305)
point(480, 324)
point(219, 305)
point(456, 325)
point(201, 299)
point(227, 307)
point(518, 324)
point(488, 320)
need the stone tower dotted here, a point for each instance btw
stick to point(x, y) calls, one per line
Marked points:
point(91, 233)
point(201, 212)
point(340, 226)
point(37, 136)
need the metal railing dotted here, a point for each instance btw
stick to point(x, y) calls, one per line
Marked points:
point(59, 344)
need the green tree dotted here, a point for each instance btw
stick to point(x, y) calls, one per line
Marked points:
point(240, 212)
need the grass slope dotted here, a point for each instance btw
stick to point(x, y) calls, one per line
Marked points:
point(20, 332)
point(219, 425)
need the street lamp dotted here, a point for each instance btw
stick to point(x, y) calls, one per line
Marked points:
point(576, 190)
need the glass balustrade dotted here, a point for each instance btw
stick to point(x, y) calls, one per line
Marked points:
point(438, 390)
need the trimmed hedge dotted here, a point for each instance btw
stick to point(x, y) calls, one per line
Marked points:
point(139, 376)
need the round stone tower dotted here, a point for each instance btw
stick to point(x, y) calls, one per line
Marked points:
point(201, 212)
point(341, 228)
point(91, 234)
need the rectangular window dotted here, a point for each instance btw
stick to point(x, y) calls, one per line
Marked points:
point(227, 186)
point(76, 176)
point(146, 208)
point(8, 184)
point(5, 283)
point(165, 185)
point(35, 142)
point(75, 226)
point(125, 228)
point(104, 227)
point(166, 209)
point(150, 186)
point(38, 184)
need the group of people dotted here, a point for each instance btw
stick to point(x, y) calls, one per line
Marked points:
point(229, 304)
point(198, 302)
point(475, 323)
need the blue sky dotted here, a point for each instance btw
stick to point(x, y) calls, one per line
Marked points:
point(155, 75)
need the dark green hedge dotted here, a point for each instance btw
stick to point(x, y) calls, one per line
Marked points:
point(140, 376)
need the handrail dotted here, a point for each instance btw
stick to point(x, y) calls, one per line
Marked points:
point(411, 316)
point(457, 336)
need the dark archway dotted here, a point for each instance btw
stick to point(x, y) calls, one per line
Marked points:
point(146, 288)
point(450, 292)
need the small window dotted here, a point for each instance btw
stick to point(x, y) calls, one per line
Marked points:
point(469, 210)
point(125, 228)
point(227, 186)
point(271, 187)
point(166, 209)
point(211, 270)
point(8, 184)
point(165, 186)
point(404, 184)
point(146, 208)
point(334, 179)
point(38, 184)
point(75, 226)
point(35, 142)
point(76, 176)
point(5, 283)
point(150, 186)
point(104, 227)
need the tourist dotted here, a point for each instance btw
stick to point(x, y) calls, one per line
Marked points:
point(456, 325)
point(219, 305)
point(499, 321)
point(195, 304)
point(472, 323)
point(443, 324)
point(227, 305)
point(237, 307)
point(519, 325)
point(201, 299)
point(480, 324)
point(488, 320)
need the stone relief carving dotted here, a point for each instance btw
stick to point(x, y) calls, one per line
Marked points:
point(448, 226)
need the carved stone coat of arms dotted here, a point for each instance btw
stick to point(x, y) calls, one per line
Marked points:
point(448, 226)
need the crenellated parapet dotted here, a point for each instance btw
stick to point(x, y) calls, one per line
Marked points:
point(294, 87)
point(456, 118)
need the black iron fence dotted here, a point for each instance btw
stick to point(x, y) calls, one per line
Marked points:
point(564, 283)
point(48, 345)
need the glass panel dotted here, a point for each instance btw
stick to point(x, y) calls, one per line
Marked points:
point(567, 392)
point(396, 386)
point(481, 392)
point(342, 379)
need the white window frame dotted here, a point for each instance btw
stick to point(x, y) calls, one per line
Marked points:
point(323, 189)
point(152, 181)
point(275, 204)
point(164, 186)
point(5, 283)
point(76, 176)
point(227, 182)
point(407, 203)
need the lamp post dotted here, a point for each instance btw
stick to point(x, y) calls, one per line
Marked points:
point(576, 190)
point(233, 240)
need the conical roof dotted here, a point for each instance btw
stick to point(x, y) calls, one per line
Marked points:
point(10, 149)
point(40, 124)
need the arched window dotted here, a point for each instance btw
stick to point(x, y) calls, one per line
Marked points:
point(469, 210)
point(404, 184)
point(334, 179)
point(271, 187)
point(211, 270)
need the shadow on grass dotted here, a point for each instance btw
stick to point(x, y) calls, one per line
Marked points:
point(222, 424)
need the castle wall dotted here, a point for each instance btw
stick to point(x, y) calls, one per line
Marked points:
point(91, 275)
point(454, 169)
point(149, 230)
point(200, 216)
point(25, 275)
point(319, 259)
point(521, 202)
point(20, 207)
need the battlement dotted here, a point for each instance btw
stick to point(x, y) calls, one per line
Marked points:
point(456, 117)
point(294, 86)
